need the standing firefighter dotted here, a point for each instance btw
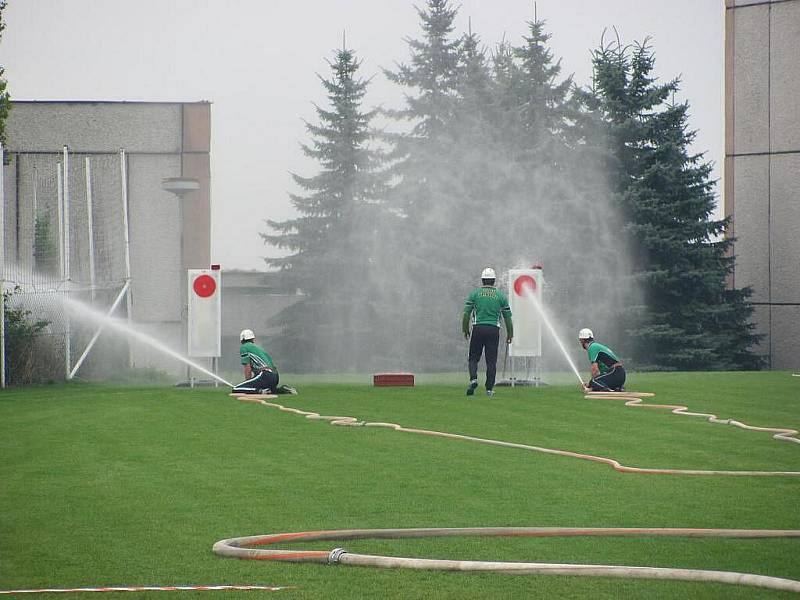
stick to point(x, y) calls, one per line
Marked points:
point(261, 374)
point(608, 373)
point(487, 302)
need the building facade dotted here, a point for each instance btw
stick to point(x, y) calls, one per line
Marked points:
point(762, 165)
point(250, 300)
point(111, 148)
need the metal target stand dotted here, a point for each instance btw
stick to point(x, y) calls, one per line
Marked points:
point(524, 286)
point(531, 366)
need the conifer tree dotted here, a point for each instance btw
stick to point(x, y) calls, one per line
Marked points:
point(689, 320)
point(537, 123)
point(553, 183)
point(333, 242)
point(422, 166)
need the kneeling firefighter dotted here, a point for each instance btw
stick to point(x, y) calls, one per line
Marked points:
point(261, 374)
point(608, 372)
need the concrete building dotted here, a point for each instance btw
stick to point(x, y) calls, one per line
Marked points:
point(762, 165)
point(250, 299)
point(167, 234)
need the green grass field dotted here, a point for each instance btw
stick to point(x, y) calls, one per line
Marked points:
point(116, 485)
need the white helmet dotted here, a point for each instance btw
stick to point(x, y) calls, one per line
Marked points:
point(488, 273)
point(247, 334)
point(585, 334)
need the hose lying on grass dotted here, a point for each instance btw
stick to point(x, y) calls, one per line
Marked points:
point(353, 422)
point(635, 399)
point(244, 547)
point(149, 588)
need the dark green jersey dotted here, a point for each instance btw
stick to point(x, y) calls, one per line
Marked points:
point(488, 303)
point(255, 357)
point(602, 355)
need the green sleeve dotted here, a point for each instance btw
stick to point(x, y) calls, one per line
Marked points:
point(465, 323)
point(593, 350)
point(469, 306)
point(509, 323)
point(505, 309)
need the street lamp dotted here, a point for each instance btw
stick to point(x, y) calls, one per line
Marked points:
point(180, 186)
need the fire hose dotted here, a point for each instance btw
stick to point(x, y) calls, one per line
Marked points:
point(635, 399)
point(245, 547)
point(616, 465)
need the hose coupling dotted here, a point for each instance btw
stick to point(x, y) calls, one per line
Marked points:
point(336, 553)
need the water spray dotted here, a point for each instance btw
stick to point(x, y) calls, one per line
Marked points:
point(87, 312)
point(528, 293)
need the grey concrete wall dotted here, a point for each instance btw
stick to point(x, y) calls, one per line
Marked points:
point(784, 106)
point(785, 333)
point(97, 127)
point(248, 302)
point(751, 181)
point(8, 238)
point(155, 239)
point(762, 191)
point(751, 79)
point(762, 317)
point(248, 310)
point(784, 264)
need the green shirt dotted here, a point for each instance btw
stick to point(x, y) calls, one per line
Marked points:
point(602, 355)
point(488, 303)
point(255, 356)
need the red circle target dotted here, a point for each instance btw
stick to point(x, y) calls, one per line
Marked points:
point(204, 286)
point(524, 283)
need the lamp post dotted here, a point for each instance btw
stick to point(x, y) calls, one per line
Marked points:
point(180, 186)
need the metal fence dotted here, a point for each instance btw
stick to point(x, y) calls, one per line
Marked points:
point(64, 234)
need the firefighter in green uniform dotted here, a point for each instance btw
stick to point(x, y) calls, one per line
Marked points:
point(261, 374)
point(608, 372)
point(487, 303)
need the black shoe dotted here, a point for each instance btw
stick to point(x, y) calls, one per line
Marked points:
point(471, 387)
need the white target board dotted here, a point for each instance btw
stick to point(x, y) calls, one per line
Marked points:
point(524, 290)
point(205, 313)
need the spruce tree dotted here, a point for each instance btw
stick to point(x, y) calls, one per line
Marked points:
point(553, 182)
point(424, 197)
point(689, 320)
point(537, 121)
point(333, 242)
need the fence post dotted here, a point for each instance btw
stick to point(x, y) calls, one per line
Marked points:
point(123, 165)
point(67, 273)
point(88, 168)
point(2, 271)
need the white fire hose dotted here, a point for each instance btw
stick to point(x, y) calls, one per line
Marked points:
point(616, 465)
point(244, 547)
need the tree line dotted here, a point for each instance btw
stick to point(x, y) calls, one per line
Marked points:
point(496, 158)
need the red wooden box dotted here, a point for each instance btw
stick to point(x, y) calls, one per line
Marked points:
point(393, 379)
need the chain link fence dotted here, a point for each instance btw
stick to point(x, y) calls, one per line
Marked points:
point(64, 235)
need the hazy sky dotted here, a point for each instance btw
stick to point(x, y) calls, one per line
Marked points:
point(257, 61)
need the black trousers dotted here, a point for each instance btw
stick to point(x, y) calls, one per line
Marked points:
point(609, 382)
point(484, 338)
point(265, 380)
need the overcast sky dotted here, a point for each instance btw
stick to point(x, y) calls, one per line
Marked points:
point(257, 61)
